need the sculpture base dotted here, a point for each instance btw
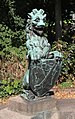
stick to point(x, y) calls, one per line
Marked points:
point(33, 107)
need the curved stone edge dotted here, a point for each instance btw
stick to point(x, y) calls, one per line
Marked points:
point(31, 107)
point(2, 106)
point(49, 108)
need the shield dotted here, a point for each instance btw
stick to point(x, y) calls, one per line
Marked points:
point(43, 75)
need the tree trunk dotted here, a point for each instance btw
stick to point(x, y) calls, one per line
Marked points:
point(58, 19)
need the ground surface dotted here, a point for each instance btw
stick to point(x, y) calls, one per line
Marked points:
point(68, 93)
point(65, 110)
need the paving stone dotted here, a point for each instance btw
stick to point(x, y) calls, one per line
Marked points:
point(66, 108)
point(52, 114)
point(66, 105)
point(55, 116)
point(3, 106)
point(31, 107)
point(39, 116)
point(8, 114)
point(67, 115)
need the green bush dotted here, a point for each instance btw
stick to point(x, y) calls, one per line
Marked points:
point(12, 43)
point(5, 40)
point(12, 52)
point(12, 38)
point(68, 65)
point(66, 84)
point(10, 87)
point(68, 31)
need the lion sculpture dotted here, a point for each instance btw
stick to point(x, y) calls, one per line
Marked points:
point(44, 66)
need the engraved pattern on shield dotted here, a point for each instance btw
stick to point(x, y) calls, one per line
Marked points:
point(43, 75)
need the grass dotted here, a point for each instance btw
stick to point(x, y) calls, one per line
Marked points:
point(67, 84)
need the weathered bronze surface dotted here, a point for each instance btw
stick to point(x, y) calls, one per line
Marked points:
point(43, 75)
point(44, 66)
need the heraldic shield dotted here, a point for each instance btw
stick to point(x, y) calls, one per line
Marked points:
point(43, 75)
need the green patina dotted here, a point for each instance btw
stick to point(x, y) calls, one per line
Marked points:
point(39, 57)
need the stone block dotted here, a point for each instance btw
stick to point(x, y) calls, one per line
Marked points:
point(3, 105)
point(66, 108)
point(66, 105)
point(21, 105)
point(51, 114)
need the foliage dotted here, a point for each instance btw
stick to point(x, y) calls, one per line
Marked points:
point(67, 84)
point(67, 46)
point(15, 21)
point(68, 30)
point(5, 40)
point(68, 66)
point(12, 72)
point(12, 53)
point(12, 43)
point(10, 87)
point(12, 69)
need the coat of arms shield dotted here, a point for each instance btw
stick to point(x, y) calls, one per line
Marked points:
point(43, 75)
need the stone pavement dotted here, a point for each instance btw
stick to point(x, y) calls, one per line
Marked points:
point(8, 114)
point(62, 109)
point(66, 108)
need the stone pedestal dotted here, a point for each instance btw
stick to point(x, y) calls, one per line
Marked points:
point(34, 107)
point(2, 106)
point(66, 108)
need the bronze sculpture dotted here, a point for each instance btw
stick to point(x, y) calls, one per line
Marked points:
point(44, 66)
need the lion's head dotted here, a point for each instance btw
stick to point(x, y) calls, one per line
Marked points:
point(36, 20)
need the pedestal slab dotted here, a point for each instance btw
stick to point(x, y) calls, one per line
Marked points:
point(23, 106)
